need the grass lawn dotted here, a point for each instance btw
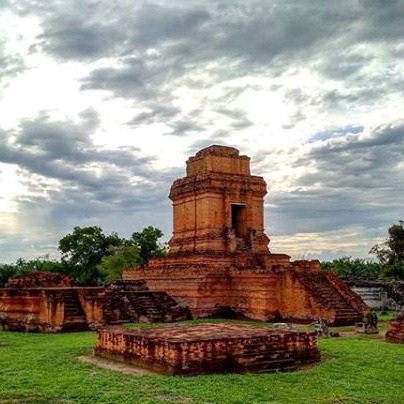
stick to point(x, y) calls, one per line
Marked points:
point(42, 368)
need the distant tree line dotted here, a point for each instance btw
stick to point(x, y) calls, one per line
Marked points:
point(91, 257)
point(389, 255)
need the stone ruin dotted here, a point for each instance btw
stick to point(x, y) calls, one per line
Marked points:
point(50, 302)
point(368, 324)
point(395, 333)
point(219, 262)
point(132, 301)
point(208, 348)
point(40, 279)
point(379, 294)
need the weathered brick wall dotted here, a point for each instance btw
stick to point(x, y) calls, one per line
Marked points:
point(251, 286)
point(395, 332)
point(19, 312)
point(200, 285)
point(40, 279)
point(43, 309)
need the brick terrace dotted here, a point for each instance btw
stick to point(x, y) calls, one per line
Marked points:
point(208, 348)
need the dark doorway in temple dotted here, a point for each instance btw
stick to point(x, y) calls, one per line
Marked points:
point(238, 219)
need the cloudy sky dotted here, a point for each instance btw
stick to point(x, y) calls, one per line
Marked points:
point(101, 102)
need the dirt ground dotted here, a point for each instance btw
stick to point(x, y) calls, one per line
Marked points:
point(119, 367)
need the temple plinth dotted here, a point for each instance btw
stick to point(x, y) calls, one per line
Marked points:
point(219, 261)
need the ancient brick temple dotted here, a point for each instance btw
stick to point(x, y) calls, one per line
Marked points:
point(219, 260)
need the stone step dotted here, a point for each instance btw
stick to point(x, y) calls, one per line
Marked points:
point(75, 318)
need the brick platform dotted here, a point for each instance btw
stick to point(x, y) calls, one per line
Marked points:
point(208, 348)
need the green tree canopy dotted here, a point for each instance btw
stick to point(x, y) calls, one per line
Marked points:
point(133, 253)
point(391, 252)
point(147, 242)
point(353, 267)
point(83, 250)
point(25, 266)
point(121, 258)
point(91, 257)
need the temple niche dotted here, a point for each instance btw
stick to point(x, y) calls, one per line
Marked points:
point(219, 261)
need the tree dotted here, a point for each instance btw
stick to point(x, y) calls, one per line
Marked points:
point(6, 272)
point(391, 252)
point(147, 242)
point(353, 267)
point(90, 257)
point(22, 266)
point(132, 253)
point(121, 258)
point(83, 250)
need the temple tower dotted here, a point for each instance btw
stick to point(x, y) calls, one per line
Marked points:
point(219, 206)
point(219, 260)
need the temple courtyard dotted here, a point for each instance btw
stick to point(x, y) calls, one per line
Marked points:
point(39, 368)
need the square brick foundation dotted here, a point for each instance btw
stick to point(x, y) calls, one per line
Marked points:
point(208, 348)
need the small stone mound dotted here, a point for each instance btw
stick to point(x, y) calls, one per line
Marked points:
point(40, 280)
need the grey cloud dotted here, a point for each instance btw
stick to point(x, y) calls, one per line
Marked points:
point(91, 119)
point(76, 30)
point(10, 64)
point(139, 78)
point(354, 179)
point(64, 151)
point(184, 128)
point(4, 4)
point(157, 47)
point(297, 117)
point(71, 39)
point(238, 117)
point(156, 112)
point(256, 30)
point(349, 64)
point(384, 19)
point(155, 24)
point(71, 182)
point(242, 124)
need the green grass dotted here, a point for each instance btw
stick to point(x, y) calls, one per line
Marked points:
point(42, 368)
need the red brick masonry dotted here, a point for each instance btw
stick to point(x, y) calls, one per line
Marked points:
point(395, 332)
point(208, 348)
